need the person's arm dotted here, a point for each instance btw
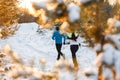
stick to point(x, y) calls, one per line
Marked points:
point(53, 36)
point(64, 37)
point(79, 40)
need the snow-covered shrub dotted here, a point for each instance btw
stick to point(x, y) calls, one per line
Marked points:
point(108, 59)
point(74, 12)
point(13, 68)
point(8, 31)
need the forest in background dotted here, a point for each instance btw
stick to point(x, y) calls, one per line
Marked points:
point(98, 21)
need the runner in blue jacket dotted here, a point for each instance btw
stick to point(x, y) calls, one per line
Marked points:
point(58, 37)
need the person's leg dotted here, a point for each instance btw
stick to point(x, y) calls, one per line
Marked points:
point(74, 49)
point(61, 52)
point(58, 47)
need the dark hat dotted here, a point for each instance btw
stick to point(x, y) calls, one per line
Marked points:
point(57, 28)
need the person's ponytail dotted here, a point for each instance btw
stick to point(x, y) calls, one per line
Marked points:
point(74, 37)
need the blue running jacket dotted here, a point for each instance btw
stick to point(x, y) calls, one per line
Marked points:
point(58, 37)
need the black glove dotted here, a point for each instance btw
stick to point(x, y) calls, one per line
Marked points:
point(64, 43)
point(79, 44)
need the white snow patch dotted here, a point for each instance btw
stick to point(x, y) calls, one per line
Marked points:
point(74, 12)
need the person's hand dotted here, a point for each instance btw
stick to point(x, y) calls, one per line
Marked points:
point(79, 44)
point(64, 43)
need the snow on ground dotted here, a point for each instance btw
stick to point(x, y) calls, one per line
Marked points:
point(31, 45)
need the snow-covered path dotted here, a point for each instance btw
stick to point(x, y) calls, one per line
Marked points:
point(30, 45)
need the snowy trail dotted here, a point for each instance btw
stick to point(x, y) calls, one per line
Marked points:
point(30, 45)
